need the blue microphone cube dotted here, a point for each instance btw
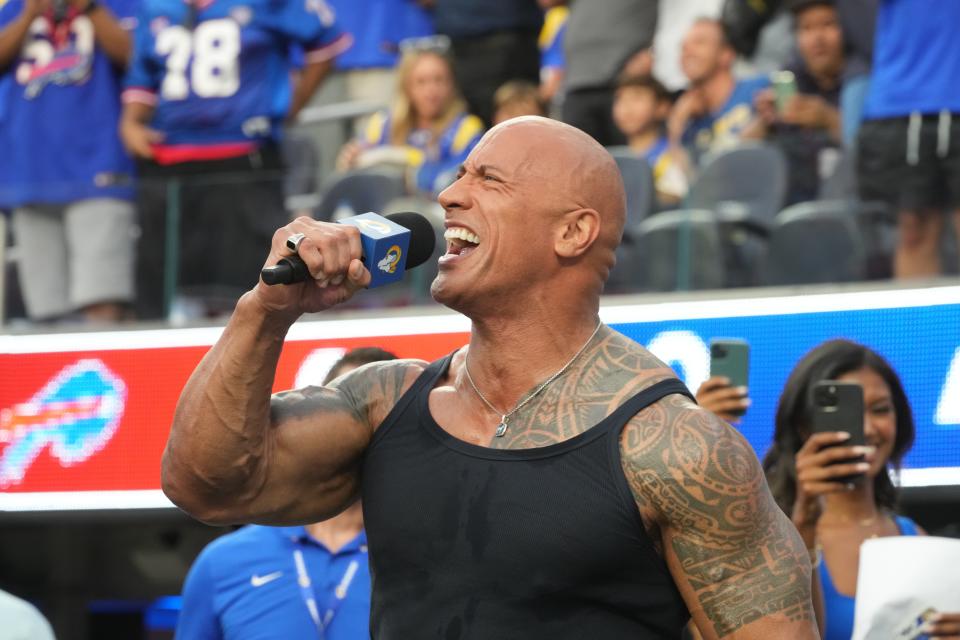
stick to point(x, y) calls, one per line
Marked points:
point(385, 245)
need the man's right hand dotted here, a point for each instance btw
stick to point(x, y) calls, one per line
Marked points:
point(138, 138)
point(765, 104)
point(331, 253)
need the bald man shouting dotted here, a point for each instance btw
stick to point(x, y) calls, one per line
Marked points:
point(551, 479)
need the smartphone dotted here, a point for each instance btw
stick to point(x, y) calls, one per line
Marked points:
point(784, 85)
point(838, 406)
point(730, 358)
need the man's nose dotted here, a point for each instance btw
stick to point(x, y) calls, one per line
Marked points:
point(454, 196)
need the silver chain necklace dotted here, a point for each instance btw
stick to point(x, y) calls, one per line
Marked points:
point(505, 417)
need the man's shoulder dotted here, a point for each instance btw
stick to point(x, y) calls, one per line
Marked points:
point(403, 371)
point(745, 89)
point(375, 388)
point(675, 423)
point(249, 536)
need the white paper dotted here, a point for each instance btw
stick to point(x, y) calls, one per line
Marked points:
point(901, 579)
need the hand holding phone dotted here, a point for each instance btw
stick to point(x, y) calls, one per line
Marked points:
point(784, 85)
point(726, 392)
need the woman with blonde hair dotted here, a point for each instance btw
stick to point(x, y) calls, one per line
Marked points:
point(428, 129)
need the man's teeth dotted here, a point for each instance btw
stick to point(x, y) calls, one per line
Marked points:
point(459, 233)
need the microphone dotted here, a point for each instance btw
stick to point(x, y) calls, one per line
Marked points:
point(390, 245)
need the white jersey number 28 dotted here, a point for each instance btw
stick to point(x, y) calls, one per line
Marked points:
point(211, 54)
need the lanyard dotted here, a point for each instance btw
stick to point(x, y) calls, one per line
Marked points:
point(334, 602)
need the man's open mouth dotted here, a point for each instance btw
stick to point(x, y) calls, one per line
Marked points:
point(460, 241)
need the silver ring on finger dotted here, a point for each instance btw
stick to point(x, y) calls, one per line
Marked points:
point(293, 242)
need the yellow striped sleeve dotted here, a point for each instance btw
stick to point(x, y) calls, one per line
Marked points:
point(470, 127)
point(552, 23)
point(373, 133)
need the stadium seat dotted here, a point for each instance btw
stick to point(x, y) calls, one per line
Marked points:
point(638, 183)
point(358, 192)
point(673, 250)
point(749, 180)
point(816, 242)
point(842, 182)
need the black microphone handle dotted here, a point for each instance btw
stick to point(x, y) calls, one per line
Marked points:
point(287, 271)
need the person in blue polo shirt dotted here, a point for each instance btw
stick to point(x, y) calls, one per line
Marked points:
point(285, 582)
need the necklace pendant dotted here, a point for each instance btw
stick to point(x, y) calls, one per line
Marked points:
point(501, 428)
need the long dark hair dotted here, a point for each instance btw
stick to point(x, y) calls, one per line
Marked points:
point(829, 361)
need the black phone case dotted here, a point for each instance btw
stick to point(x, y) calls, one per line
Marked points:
point(838, 406)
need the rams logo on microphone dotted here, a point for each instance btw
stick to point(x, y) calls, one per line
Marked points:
point(373, 225)
point(391, 260)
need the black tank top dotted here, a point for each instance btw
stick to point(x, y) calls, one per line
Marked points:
point(468, 542)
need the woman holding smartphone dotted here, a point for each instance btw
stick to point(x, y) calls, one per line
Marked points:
point(837, 494)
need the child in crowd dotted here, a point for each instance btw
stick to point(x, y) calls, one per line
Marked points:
point(517, 98)
point(640, 108)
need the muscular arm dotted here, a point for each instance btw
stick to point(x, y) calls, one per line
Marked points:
point(236, 454)
point(736, 558)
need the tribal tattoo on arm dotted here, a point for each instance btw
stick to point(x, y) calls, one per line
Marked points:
point(737, 560)
point(318, 436)
point(365, 394)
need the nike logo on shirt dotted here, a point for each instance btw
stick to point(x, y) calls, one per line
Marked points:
point(259, 581)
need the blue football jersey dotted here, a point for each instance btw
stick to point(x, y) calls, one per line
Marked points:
point(59, 107)
point(551, 38)
point(218, 72)
point(378, 27)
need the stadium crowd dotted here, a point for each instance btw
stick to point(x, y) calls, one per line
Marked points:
point(132, 131)
point(149, 149)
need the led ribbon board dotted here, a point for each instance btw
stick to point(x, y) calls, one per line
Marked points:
point(84, 417)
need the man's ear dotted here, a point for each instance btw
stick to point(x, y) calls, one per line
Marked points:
point(577, 232)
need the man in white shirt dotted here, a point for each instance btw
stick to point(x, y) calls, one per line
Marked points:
point(21, 620)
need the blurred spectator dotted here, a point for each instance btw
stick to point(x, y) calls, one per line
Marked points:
point(746, 22)
point(857, 19)
point(909, 147)
point(493, 41)
point(552, 62)
point(428, 130)
point(805, 119)
point(21, 620)
point(743, 20)
point(65, 174)
point(674, 19)
point(716, 107)
point(604, 39)
point(517, 98)
point(377, 27)
point(640, 108)
point(806, 473)
point(207, 94)
point(285, 582)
